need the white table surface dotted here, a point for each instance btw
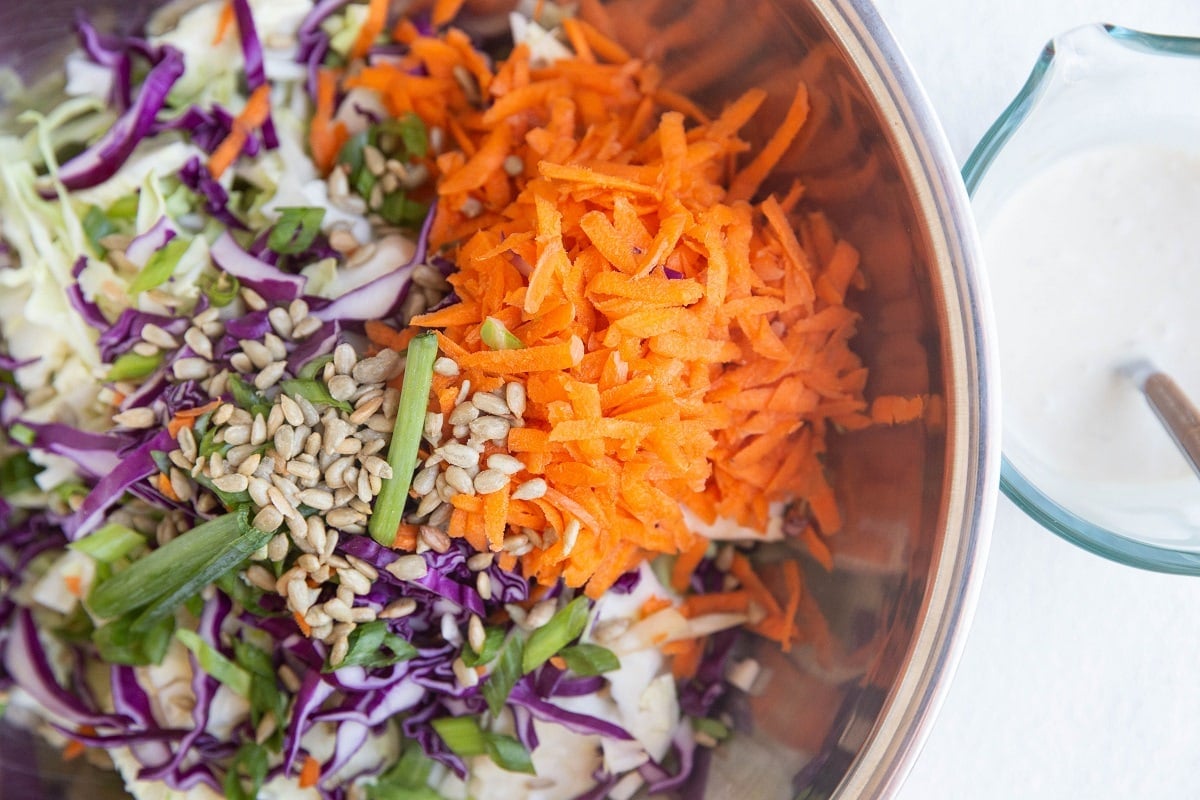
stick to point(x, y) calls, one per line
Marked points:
point(1080, 678)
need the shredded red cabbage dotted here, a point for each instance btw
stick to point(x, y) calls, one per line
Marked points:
point(272, 283)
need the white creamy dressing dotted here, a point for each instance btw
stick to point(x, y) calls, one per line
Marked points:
point(1095, 262)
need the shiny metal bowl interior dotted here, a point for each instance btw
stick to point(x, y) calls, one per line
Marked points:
point(845, 720)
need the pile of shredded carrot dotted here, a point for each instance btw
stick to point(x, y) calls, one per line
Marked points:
point(684, 347)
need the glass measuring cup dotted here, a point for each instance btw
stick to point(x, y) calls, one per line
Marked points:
point(1100, 86)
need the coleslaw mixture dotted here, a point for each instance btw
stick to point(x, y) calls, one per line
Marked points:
point(300, 500)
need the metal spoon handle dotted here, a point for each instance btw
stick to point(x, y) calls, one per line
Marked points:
point(1177, 413)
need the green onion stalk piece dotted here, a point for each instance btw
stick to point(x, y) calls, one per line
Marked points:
point(110, 543)
point(496, 336)
point(296, 229)
point(166, 578)
point(132, 366)
point(160, 267)
point(214, 663)
point(406, 438)
point(562, 629)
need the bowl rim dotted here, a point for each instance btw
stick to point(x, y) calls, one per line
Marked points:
point(972, 444)
point(1014, 484)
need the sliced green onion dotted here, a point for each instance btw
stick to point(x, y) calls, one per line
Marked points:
point(17, 474)
point(97, 225)
point(159, 583)
point(124, 207)
point(406, 438)
point(131, 366)
point(496, 336)
point(409, 129)
point(408, 779)
point(462, 735)
point(712, 727)
point(398, 209)
point(110, 543)
point(160, 267)
point(296, 229)
point(117, 643)
point(492, 642)
point(508, 753)
point(586, 660)
point(252, 761)
point(221, 289)
point(373, 645)
point(562, 629)
point(214, 662)
point(22, 434)
point(248, 399)
point(314, 392)
point(313, 367)
point(504, 674)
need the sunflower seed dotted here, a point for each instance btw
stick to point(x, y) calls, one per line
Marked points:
point(490, 480)
point(260, 576)
point(445, 366)
point(357, 582)
point(570, 536)
point(181, 485)
point(344, 358)
point(136, 418)
point(463, 414)
point(423, 482)
point(241, 362)
point(377, 466)
point(516, 543)
point(458, 480)
point(483, 585)
point(489, 403)
point(364, 410)
point(187, 443)
point(436, 538)
point(253, 299)
point(490, 428)
point(275, 346)
point(349, 446)
point(233, 483)
point(408, 568)
point(158, 337)
point(268, 519)
point(460, 455)
point(195, 339)
point(306, 327)
point(399, 608)
point(466, 676)
point(257, 352)
point(281, 321)
point(316, 617)
point(540, 614)
point(311, 417)
point(179, 459)
point(342, 387)
point(318, 537)
point(379, 368)
point(335, 472)
point(531, 489)
point(509, 465)
point(337, 653)
point(480, 561)
point(433, 428)
point(222, 414)
point(277, 548)
point(342, 517)
point(429, 503)
point(319, 499)
point(476, 635)
point(270, 375)
point(193, 369)
point(514, 398)
point(338, 609)
point(145, 349)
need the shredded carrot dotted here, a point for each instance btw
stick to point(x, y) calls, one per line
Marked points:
point(224, 22)
point(406, 538)
point(302, 623)
point(325, 138)
point(73, 749)
point(445, 10)
point(164, 486)
point(734, 602)
point(310, 772)
point(681, 346)
point(74, 584)
point(652, 604)
point(251, 117)
point(558, 662)
point(686, 661)
point(371, 28)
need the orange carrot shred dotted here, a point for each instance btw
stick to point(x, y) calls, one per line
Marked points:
point(224, 22)
point(746, 183)
point(445, 10)
point(251, 117)
point(371, 28)
point(74, 584)
point(302, 623)
point(310, 772)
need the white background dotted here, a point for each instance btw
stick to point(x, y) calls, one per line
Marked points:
point(1080, 678)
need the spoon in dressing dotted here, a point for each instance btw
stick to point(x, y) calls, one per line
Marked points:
point(1176, 412)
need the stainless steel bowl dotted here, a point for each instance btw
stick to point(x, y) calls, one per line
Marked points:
point(848, 716)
